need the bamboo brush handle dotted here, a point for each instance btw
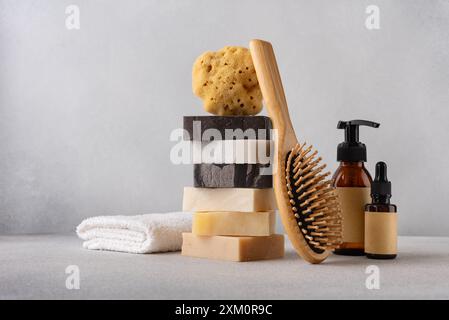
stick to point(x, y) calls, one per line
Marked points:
point(272, 90)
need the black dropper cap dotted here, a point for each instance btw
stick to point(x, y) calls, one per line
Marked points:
point(381, 186)
point(352, 150)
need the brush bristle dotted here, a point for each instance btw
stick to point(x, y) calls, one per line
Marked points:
point(313, 200)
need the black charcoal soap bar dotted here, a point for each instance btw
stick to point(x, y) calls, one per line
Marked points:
point(232, 176)
point(259, 127)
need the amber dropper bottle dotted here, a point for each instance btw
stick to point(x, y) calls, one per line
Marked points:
point(381, 218)
point(352, 182)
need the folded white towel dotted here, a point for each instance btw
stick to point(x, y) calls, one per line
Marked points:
point(147, 233)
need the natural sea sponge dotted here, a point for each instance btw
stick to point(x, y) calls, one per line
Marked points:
point(226, 81)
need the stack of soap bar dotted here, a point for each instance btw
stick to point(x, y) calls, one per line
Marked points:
point(232, 198)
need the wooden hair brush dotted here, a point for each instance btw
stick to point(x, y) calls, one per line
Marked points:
point(306, 200)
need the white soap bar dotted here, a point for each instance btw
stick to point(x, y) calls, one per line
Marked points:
point(232, 151)
point(228, 199)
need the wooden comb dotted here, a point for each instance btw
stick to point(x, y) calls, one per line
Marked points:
point(305, 197)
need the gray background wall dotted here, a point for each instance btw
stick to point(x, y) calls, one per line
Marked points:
point(85, 115)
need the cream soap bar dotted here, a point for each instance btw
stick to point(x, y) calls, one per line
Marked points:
point(234, 223)
point(233, 248)
point(228, 199)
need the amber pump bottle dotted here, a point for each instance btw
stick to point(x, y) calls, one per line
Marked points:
point(352, 182)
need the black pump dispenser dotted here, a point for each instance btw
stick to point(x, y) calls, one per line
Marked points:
point(352, 150)
point(381, 187)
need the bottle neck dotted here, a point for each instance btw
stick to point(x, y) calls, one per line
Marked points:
point(358, 164)
point(380, 199)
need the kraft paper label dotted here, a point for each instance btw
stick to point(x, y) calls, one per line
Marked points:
point(381, 232)
point(352, 203)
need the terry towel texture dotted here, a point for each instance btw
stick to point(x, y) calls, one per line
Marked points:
point(147, 233)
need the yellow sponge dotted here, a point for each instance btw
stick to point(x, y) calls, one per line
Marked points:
point(226, 81)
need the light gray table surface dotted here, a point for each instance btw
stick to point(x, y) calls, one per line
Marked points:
point(34, 267)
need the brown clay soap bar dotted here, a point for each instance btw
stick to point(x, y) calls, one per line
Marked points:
point(228, 199)
point(232, 176)
point(259, 127)
point(234, 223)
point(233, 248)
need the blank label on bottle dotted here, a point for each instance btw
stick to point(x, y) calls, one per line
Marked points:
point(381, 232)
point(352, 203)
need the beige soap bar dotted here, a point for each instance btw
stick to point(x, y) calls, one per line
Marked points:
point(234, 223)
point(233, 248)
point(228, 199)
